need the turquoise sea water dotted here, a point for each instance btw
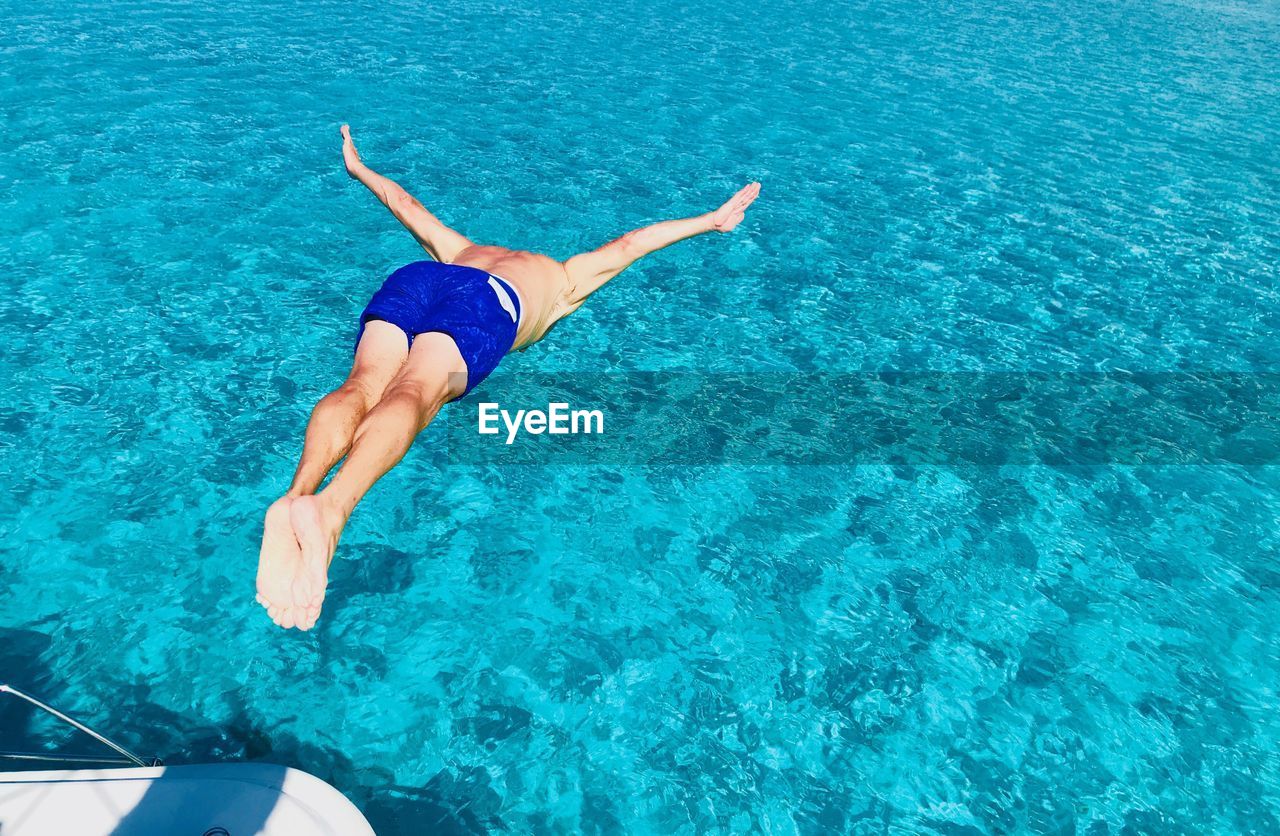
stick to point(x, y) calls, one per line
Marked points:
point(948, 187)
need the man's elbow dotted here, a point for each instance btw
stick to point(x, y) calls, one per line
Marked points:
point(407, 202)
point(629, 246)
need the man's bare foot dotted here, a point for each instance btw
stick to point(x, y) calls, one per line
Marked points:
point(731, 213)
point(286, 588)
point(317, 529)
point(350, 156)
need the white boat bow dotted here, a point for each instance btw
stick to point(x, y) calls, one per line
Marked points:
point(228, 799)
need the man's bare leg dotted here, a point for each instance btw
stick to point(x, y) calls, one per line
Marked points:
point(428, 380)
point(381, 354)
point(283, 583)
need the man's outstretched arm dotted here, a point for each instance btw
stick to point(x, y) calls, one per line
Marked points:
point(440, 241)
point(589, 271)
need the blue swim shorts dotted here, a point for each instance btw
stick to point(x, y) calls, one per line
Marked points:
point(478, 310)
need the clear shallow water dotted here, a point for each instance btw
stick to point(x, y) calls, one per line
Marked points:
point(954, 186)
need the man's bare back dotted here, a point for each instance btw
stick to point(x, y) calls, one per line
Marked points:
point(542, 282)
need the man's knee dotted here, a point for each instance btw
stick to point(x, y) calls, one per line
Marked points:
point(422, 394)
point(358, 388)
point(352, 394)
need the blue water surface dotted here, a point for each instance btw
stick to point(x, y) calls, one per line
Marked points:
point(949, 185)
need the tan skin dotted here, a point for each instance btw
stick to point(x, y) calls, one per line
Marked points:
point(393, 391)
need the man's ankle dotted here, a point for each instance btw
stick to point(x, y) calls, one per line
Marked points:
point(332, 508)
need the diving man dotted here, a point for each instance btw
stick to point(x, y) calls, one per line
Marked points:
point(430, 334)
